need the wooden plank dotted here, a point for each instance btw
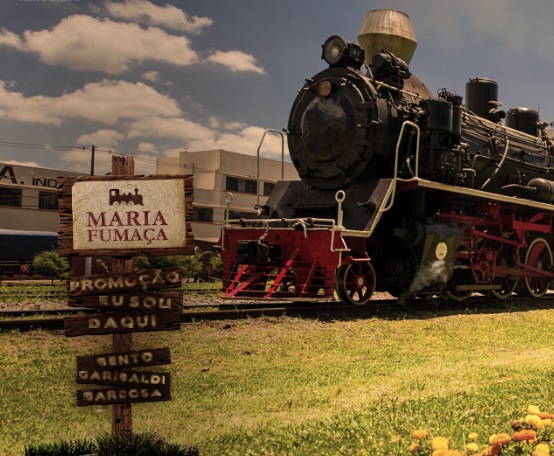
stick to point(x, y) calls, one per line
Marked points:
point(145, 225)
point(121, 395)
point(141, 281)
point(129, 378)
point(126, 359)
point(138, 301)
point(122, 323)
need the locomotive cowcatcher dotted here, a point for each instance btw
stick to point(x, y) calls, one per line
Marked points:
point(400, 191)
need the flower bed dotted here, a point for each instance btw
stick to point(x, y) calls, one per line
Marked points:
point(532, 435)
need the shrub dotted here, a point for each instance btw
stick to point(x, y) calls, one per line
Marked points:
point(51, 263)
point(71, 448)
point(144, 444)
point(200, 265)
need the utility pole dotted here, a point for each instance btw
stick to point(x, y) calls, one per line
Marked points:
point(92, 160)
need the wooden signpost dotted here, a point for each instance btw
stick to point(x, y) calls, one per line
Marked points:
point(120, 216)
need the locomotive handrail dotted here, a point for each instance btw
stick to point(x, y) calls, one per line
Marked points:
point(390, 202)
point(228, 198)
point(280, 133)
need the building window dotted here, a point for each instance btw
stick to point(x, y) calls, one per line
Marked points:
point(10, 196)
point(236, 184)
point(47, 200)
point(202, 214)
point(242, 214)
point(268, 187)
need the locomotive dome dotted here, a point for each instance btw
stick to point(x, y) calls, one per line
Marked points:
point(390, 31)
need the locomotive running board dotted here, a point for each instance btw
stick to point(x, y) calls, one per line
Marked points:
point(471, 192)
point(381, 198)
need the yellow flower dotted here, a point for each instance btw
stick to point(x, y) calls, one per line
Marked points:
point(532, 420)
point(472, 436)
point(439, 443)
point(413, 448)
point(473, 447)
point(542, 449)
point(546, 422)
point(440, 452)
point(419, 434)
point(533, 410)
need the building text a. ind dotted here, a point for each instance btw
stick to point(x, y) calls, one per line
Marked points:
point(28, 198)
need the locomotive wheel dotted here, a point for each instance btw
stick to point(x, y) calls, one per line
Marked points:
point(508, 285)
point(539, 256)
point(459, 278)
point(355, 283)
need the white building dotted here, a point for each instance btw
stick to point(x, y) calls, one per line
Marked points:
point(218, 173)
point(28, 198)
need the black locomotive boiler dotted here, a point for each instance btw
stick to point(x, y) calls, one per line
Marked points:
point(400, 190)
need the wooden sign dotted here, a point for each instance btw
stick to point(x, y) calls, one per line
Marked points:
point(148, 279)
point(125, 360)
point(132, 378)
point(150, 301)
point(120, 323)
point(110, 396)
point(122, 215)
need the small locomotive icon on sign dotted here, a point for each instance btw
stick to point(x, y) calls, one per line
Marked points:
point(117, 197)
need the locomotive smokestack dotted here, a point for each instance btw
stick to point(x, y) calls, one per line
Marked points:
point(389, 31)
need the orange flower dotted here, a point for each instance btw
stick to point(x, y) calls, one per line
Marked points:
point(419, 434)
point(527, 435)
point(493, 450)
point(545, 416)
point(501, 439)
point(413, 448)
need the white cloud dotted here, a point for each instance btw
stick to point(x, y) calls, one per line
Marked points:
point(245, 141)
point(85, 43)
point(8, 38)
point(81, 160)
point(173, 128)
point(165, 16)
point(22, 163)
point(102, 138)
point(236, 137)
point(236, 61)
point(147, 148)
point(104, 101)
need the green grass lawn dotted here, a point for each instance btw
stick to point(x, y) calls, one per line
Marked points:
point(290, 386)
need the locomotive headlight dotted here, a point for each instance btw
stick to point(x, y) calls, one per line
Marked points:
point(337, 51)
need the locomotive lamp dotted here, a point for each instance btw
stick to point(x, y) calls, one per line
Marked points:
point(339, 52)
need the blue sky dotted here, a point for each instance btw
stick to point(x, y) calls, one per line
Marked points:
point(151, 78)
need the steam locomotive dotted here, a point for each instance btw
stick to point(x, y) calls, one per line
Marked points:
point(400, 191)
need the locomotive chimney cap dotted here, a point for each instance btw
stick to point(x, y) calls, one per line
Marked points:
point(388, 31)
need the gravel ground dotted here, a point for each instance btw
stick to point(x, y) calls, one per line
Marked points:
point(188, 300)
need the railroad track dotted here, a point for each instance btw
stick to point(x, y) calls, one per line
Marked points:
point(53, 319)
